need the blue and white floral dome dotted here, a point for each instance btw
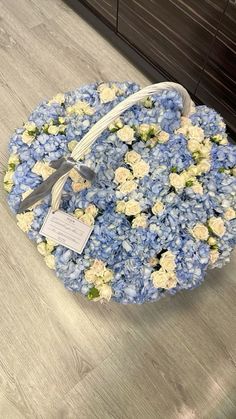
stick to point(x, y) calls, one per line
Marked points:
point(162, 203)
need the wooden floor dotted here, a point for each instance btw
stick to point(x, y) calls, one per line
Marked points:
point(62, 356)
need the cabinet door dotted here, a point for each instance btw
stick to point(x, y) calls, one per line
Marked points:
point(174, 35)
point(107, 9)
point(217, 86)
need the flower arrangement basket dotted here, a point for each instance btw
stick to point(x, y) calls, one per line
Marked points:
point(150, 173)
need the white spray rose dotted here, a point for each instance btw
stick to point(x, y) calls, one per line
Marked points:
point(217, 226)
point(200, 232)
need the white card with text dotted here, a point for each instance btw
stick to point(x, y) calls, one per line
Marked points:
point(66, 230)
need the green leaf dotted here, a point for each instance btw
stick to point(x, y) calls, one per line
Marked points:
point(173, 169)
point(221, 170)
point(214, 139)
point(214, 247)
point(12, 166)
point(189, 183)
point(93, 293)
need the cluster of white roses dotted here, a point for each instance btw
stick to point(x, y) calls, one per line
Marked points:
point(200, 149)
point(100, 276)
point(164, 277)
point(125, 178)
point(87, 216)
point(214, 228)
point(8, 181)
point(80, 108)
point(108, 93)
point(152, 134)
point(45, 248)
point(25, 220)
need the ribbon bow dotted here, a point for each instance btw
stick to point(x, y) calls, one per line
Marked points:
point(62, 166)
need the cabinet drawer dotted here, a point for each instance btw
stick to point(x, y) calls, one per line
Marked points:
point(217, 87)
point(175, 36)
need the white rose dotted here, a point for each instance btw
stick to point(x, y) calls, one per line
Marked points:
point(185, 122)
point(90, 276)
point(8, 177)
point(182, 130)
point(50, 261)
point(163, 137)
point(158, 207)
point(80, 108)
point(120, 206)
point(98, 267)
point(206, 148)
point(203, 167)
point(25, 220)
point(122, 174)
point(13, 160)
point(30, 126)
point(132, 207)
point(87, 219)
point(177, 181)
point(8, 181)
point(140, 169)
point(107, 275)
point(71, 145)
point(167, 261)
point(197, 188)
point(139, 221)
point(132, 157)
point(45, 248)
point(224, 141)
point(75, 176)
point(59, 98)
point(200, 232)
point(53, 129)
point(105, 292)
point(163, 279)
point(144, 128)
point(79, 186)
point(42, 169)
point(126, 134)
point(78, 213)
point(217, 226)
point(229, 214)
point(128, 186)
point(211, 241)
point(214, 255)
point(106, 93)
point(193, 145)
point(117, 124)
point(27, 138)
point(196, 133)
point(91, 210)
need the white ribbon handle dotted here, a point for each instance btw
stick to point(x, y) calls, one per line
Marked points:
point(87, 141)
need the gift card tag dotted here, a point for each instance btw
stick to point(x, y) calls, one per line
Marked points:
point(66, 230)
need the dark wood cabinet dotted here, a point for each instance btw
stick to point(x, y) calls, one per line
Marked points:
point(217, 87)
point(107, 9)
point(191, 42)
point(175, 36)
